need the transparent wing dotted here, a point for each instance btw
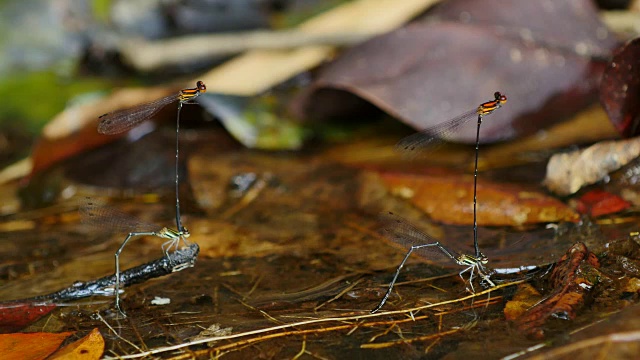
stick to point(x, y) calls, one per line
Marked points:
point(431, 138)
point(122, 120)
point(107, 218)
point(402, 233)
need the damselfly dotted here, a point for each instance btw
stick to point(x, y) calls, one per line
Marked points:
point(435, 135)
point(103, 217)
point(400, 231)
point(119, 121)
point(122, 120)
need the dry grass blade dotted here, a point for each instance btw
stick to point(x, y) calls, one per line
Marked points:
point(264, 334)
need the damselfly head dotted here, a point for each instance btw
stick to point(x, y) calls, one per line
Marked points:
point(500, 98)
point(185, 232)
point(203, 88)
point(483, 259)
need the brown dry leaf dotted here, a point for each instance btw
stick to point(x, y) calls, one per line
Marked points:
point(568, 172)
point(449, 199)
point(34, 346)
point(572, 279)
point(525, 297)
point(89, 347)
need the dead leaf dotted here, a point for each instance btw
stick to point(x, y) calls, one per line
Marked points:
point(31, 346)
point(571, 280)
point(449, 199)
point(431, 71)
point(599, 202)
point(568, 172)
point(620, 89)
point(89, 347)
point(15, 316)
point(526, 296)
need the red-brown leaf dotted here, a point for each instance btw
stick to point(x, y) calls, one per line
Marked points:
point(599, 202)
point(15, 316)
point(571, 280)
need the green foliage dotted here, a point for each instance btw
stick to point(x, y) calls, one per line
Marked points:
point(31, 99)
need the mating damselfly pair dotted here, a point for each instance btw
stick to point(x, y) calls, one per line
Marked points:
point(97, 213)
point(400, 231)
point(396, 228)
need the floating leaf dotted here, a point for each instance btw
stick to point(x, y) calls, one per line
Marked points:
point(29, 346)
point(89, 347)
point(572, 279)
point(449, 199)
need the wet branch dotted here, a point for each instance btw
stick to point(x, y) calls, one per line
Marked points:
point(176, 261)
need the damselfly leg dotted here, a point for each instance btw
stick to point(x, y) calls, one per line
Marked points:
point(400, 231)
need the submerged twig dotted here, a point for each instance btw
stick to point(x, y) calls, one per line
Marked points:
point(175, 261)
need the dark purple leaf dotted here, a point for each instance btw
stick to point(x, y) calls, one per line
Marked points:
point(620, 89)
point(541, 58)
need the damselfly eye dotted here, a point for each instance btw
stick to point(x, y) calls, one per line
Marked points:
point(201, 86)
point(185, 232)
